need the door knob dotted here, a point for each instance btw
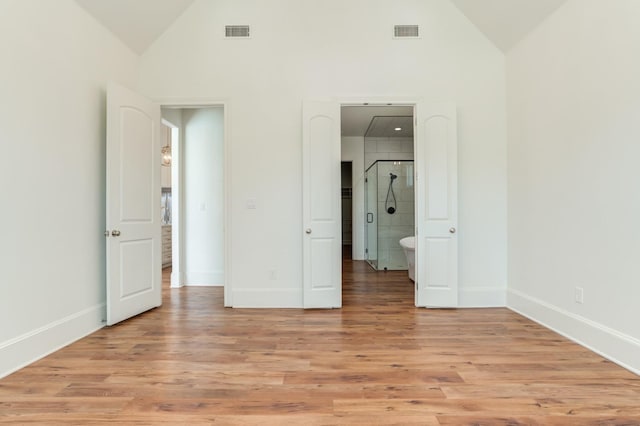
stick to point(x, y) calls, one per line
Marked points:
point(308, 230)
point(115, 233)
point(452, 230)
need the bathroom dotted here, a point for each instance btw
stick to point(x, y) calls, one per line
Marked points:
point(377, 145)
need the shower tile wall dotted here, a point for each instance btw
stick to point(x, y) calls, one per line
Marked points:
point(387, 149)
point(393, 227)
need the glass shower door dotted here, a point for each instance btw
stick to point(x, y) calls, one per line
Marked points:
point(371, 209)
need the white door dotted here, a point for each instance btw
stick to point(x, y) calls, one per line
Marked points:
point(133, 205)
point(322, 274)
point(436, 206)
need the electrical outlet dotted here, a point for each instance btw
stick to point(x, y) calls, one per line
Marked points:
point(579, 295)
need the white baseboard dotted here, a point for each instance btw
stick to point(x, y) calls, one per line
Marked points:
point(23, 350)
point(267, 298)
point(618, 347)
point(482, 297)
point(204, 278)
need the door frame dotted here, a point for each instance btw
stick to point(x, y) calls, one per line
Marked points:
point(225, 105)
point(385, 101)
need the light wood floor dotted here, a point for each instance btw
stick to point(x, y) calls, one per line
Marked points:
point(378, 360)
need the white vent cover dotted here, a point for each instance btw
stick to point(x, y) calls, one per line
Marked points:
point(236, 31)
point(406, 31)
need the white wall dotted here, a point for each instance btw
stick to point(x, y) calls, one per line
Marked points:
point(574, 204)
point(307, 49)
point(56, 61)
point(203, 195)
point(353, 150)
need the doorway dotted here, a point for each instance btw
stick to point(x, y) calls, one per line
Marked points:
point(199, 196)
point(346, 180)
point(169, 134)
point(436, 241)
point(379, 139)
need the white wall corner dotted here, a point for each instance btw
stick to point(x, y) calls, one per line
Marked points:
point(617, 347)
point(482, 297)
point(23, 350)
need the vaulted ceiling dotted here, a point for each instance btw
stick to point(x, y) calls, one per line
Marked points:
point(138, 23)
point(506, 22)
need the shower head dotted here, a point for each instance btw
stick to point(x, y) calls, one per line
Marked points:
point(393, 176)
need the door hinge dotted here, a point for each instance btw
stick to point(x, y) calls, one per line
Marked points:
point(366, 251)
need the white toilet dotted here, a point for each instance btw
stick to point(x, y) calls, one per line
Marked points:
point(408, 244)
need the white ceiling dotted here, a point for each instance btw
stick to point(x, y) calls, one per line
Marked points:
point(138, 23)
point(506, 22)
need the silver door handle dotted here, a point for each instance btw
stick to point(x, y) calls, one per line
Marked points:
point(115, 233)
point(308, 230)
point(452, 230)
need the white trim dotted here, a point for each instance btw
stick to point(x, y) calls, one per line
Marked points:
point(482, 297)
point(38, 343)
point(617, 347)
point(226, 105)
point(267, 298)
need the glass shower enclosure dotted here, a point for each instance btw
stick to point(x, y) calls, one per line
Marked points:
point(389, 205)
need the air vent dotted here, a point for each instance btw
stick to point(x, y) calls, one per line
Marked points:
point(406, 31)
point(236, 31)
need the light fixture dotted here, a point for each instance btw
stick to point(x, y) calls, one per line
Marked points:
point(397, 129)
point(166, 155)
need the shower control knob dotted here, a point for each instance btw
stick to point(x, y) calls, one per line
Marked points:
point(452, 230)
point(308, 230)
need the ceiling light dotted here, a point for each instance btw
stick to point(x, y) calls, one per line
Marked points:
point(397, 129)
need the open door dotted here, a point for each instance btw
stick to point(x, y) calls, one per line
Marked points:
point(322, 251)
point(436, 206)
point(134, 275)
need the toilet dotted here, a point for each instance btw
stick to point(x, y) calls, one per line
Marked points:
point(408, 244)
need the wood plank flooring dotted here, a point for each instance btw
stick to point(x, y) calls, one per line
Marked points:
point(379, 360)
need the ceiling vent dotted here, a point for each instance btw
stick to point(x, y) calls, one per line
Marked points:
point(236, 31)
point(406, 31)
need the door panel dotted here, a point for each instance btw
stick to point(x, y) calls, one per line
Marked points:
point(133, 205)
point(436, 206)
point(322, 275)
point(136, 165)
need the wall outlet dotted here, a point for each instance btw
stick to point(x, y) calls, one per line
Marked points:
point(579, 295)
